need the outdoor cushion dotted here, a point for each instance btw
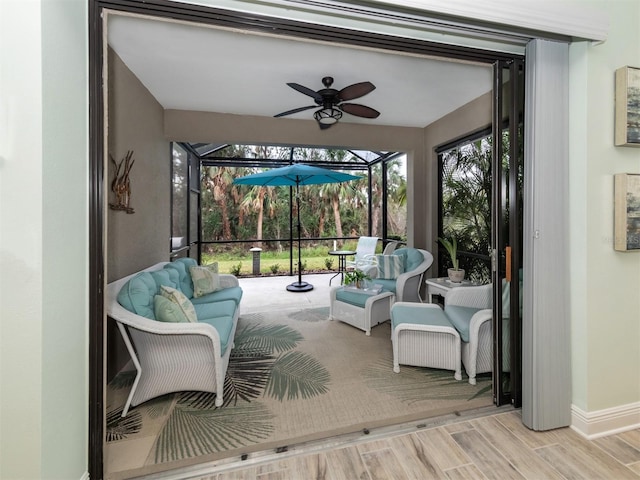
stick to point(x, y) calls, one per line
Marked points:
point(351, 297)
point(409, 314)
point(167, 311)
point(225, 308)
point(205, 279)
point(387, 285)
point(137, 295)
point(230, 293)
point(460, 317)
point(185, 285)
point(223, 325)
point(163, 277)
point(389, 266)
point(181, 300)
point(412, 257)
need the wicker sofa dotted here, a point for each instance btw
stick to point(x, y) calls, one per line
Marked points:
point(169, 356)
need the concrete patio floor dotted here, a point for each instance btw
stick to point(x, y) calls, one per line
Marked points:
point(262, 294)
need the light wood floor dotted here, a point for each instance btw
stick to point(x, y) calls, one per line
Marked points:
point(492, 447)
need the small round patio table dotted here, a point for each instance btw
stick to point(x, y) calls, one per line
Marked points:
point(342, 262)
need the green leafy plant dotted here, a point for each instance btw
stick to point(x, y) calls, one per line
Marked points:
point(236, 269)
point(355, 277)
point(274, 268)
point(328, 262)
point(451, 246)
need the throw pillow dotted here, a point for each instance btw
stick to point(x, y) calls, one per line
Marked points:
point(179, 298)
point(205, 279)
point(167, 311)
point(389, 266)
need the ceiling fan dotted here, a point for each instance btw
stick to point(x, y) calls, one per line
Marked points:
point(332, 101)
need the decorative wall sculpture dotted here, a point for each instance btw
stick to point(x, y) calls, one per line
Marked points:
point(120, 184)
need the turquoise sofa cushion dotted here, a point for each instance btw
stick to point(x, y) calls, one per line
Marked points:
point(418, 316)
point(231, 293)
point(460, 317)
point(165, 278)
point(225, 308)
point(181, 266)
point(223, 325)
point(137, 295)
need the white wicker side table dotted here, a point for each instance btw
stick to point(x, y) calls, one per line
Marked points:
point(360, 309)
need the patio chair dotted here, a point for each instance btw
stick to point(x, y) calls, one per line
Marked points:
point(390, 247)
point(365, 254)
point(469, 310)
point(406, 285)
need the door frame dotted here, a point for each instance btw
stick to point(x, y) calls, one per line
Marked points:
point(97, 143)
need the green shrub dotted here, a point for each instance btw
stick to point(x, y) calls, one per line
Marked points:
point(236, 269)
point(328, 262)
point(275, 268)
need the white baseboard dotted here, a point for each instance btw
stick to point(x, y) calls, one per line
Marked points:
point(85, 476)
point(605, 422)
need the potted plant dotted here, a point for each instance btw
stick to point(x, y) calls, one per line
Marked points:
point(355, 277)
point(456, 275)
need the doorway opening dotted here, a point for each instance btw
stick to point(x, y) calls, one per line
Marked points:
point(98, 255)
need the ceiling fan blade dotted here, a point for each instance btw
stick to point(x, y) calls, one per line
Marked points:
point(359, 110)
point(295, 110)
point(356, 90)
point(307, 91)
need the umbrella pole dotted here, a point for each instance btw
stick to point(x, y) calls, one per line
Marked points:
point(299, 286)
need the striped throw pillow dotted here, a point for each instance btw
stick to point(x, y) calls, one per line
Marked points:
point(389, 266)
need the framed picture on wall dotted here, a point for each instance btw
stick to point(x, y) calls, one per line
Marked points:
point(627, 212)
point(627, 107)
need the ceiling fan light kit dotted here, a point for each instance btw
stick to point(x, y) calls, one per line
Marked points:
point(331, 101)
point(328, 116)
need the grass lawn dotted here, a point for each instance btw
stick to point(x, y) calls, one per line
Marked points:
point(314, 259)
point(245, 265)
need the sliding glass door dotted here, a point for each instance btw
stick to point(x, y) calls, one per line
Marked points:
point(507, 254)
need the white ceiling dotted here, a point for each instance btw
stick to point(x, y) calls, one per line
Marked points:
point(194, 67)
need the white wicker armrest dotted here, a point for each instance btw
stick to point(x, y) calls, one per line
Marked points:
point(477, 354)
point(478, 319)
point(227, 280)
point(408, 283)
point(475, 297)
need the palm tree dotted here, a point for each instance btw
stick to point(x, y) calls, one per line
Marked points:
point(218, 181)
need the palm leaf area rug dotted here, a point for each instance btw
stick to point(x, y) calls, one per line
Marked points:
point(293, 376)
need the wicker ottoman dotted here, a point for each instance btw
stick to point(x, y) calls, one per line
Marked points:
point(360, 309)
point(423, 336)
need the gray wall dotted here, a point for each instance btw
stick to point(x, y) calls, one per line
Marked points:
point(138, 240)
point(470, 118)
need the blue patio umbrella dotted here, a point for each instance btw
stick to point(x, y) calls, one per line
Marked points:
point(296, 175)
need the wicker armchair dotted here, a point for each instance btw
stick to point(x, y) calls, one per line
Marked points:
point(477, 349)
point(407, 286)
